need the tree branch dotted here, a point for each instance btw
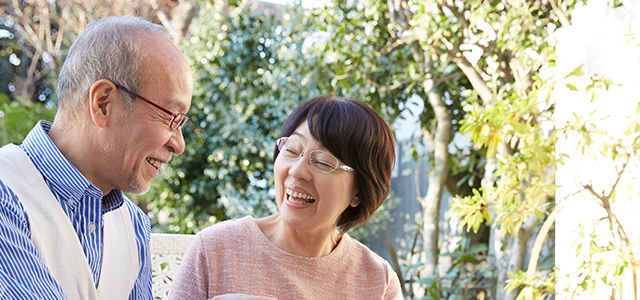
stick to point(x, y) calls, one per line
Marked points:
point(562, 15)
point(474, 77)
point(343, 75)
point(382, 89)
point(45, 23)
point(390, 46)
point(402, 15)
point(540, 238)
point(447, 77)
point(459, 16)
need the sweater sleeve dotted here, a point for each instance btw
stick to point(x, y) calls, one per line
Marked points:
point(393, 292)
point(192, 280)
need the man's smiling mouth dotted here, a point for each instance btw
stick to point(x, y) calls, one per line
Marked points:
point(157, 164)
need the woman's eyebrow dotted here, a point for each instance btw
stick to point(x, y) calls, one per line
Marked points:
point(300, 135)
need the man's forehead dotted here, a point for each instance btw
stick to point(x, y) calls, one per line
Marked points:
point(167, 71)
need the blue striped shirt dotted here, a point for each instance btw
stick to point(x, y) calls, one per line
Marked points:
point(22, 273)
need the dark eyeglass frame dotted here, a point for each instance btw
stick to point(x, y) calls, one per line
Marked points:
point(283, 140)
point(173, 125)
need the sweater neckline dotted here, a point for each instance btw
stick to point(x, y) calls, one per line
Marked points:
point(338, 252)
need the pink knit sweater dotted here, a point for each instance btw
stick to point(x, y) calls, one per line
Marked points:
point(236, 257)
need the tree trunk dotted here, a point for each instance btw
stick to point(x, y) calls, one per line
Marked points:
point(511, 260)
point(500, 262)
point(495, 242)
point(437, 178)
point(514, 258)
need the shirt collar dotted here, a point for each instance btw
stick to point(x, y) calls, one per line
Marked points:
point(63, 177)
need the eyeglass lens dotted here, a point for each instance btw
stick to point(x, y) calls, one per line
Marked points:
point(178, 120)
point(320, 160)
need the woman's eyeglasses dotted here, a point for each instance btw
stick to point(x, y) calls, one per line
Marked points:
point(322, 161)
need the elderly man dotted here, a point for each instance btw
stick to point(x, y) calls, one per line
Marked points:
point(66, 229)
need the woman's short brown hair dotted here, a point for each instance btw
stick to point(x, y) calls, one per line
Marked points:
point(359, 138)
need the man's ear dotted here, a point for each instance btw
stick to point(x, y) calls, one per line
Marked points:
point(102, 102)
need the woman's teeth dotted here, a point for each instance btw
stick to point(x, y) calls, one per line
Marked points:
point(309, 199)
point(154, 163)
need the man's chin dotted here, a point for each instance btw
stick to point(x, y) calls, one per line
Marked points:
point(137, 186)
point(138, 191)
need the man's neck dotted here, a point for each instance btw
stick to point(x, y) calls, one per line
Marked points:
point(76, 143)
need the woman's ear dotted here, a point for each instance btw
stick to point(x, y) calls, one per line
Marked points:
point(355, 201)
point(102, 97)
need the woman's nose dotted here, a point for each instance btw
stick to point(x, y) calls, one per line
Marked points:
point(301, 168)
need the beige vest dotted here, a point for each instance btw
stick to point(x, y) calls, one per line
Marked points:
point(57, 242)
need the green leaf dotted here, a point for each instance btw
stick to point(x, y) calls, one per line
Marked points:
point(613, 197)
point(576, 72)
point(579, 249)
point(594, 247)
point(407, 171)
point(585, 134)
point(518, 127)
point(572, 86)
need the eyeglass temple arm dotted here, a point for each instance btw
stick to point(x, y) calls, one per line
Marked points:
point(146, 100)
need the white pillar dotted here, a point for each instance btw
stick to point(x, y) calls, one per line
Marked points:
point(596, 40)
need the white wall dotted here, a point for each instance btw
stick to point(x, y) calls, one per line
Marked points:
point(596, 40)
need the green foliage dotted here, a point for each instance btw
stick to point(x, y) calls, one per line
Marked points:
point(17, 118)
point(509, 117)
point(473, 210)
point(8, 46)
point(358, 58)
point(540, 289)
point(511, 124)
point(28, 70)
point(505, 50)
point(461, 282)
point(370, 229)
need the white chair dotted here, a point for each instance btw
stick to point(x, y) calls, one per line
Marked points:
point(167, 251)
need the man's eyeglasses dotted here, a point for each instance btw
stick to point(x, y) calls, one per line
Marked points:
point(177, 119)
point(322, 161)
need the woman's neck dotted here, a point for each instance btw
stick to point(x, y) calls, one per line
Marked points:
point(317, 243)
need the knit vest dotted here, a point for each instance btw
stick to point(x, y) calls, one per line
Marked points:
point(57, 242)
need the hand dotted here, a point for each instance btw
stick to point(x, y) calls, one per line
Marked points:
point(240, 297)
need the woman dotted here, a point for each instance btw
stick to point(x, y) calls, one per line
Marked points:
point(332, 170)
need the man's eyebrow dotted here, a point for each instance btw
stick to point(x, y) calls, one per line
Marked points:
point(181, 107)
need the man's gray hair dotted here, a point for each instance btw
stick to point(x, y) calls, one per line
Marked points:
point(107, 49)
